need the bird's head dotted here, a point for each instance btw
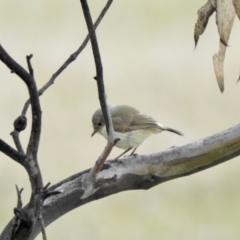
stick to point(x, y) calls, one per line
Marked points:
point(97, 121)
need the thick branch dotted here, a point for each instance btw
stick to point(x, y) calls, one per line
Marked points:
point(28, 217)
point(142, 172)
point(33, 93)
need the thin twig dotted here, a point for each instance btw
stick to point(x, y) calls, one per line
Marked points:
point(43, 230)
point(15, 136)
point(35, 104)
point(99, 163)
point(11, 152)
point(19, 199)
point(88, 185)
point(71, 58)
point(46, 186)
point(98, 62)
point(16, 220)
point(30, 65)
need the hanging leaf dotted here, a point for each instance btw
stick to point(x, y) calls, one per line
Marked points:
point(225, 13)
point(204, 13)
point(225, 16)
point(236, 4)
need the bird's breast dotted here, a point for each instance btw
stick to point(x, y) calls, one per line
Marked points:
point(131, 139)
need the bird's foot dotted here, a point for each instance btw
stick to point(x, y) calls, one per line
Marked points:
point(134, 155)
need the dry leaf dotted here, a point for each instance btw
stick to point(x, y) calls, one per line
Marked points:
point(218, 59)
point(236, 4)
point(213, 2)
point(204, 14)
point(225, 17)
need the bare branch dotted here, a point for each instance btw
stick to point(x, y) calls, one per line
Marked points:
point(29, 161)
point(12, 153)
point(30, 65)
point(141, 172)
point(19, 199)
point(98, 62)
point(89, 188)
point(88, 183)
point(15, 136)
point(72, 58)
point(16, 222)
point(43, 230)
point(32, 89)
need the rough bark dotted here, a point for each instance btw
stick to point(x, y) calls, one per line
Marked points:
point(140, 172)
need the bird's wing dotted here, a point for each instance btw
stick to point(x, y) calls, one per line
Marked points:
point(142, 121)
point(122, 117)
point(132, 119)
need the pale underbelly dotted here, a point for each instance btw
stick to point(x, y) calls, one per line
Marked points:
point(131, 139)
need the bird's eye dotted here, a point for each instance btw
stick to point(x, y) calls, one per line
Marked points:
point(99, 124)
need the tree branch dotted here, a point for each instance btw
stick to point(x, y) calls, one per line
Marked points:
point(32, 166)
point(72, 58)
point(12, 153)
point(89, 188)
point(34, 210)
point(141, 172)
point(32, 89)
point(98, 62)
point(28, 217)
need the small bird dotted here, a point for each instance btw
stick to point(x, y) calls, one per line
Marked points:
point(130, 125)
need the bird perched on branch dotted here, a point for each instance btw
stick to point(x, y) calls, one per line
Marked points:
point(130, 125)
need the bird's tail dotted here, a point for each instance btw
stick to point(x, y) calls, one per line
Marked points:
point(174, 131)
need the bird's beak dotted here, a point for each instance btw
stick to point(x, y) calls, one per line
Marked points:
point(95, 131)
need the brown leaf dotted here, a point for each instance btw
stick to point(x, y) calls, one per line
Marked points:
point(213, 2)
point(218, 59)
point(204, 13)
point(236, 4)
point(225, 17)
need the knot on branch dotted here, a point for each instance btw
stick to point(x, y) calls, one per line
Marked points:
point(20, 123)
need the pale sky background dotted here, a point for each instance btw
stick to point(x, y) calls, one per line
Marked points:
point(149, 61)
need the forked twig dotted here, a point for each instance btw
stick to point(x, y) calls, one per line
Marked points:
point(71, 58)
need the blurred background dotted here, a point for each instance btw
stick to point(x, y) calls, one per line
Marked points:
point(149, 61)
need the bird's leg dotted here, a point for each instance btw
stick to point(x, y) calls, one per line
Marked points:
point(122, 154)
point(132, 154)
